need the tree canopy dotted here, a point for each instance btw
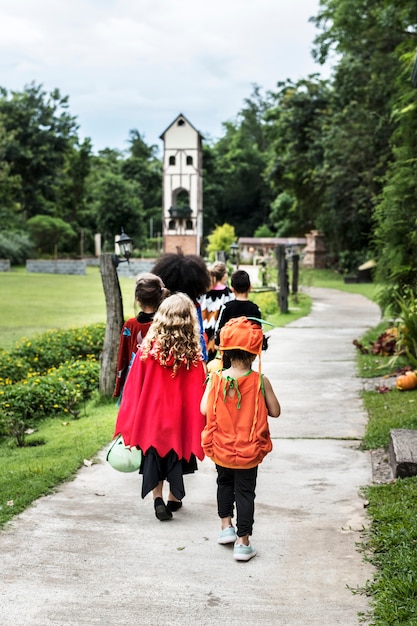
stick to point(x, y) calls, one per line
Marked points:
point(338, 155)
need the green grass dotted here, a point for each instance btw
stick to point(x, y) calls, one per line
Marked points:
point(391, 546)
point(393, 409)
point(52, 455)
point(332, 280)
point(390, 541)
point(34, 303)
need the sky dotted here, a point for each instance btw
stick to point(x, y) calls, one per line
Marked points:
point(136, 64)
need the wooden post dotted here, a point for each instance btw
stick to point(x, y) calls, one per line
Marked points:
point(282, 279)
point(114, 323)
point(295, 266)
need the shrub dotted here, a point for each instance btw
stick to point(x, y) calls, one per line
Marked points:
point(54, 347)
point(12, 368)
point(266, 301)
point(407, 328)
point(60, 391)
point(15, 246)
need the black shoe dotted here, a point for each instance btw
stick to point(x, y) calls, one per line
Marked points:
point(173, 505)
point(161, 511)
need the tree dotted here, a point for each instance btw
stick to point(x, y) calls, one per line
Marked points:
point(295, 157)
point(48, 232)
point(39, 132)
point(118, 205)
point(363, 36)
point(240, 159)
point(395, 238)
point(263, 231)
point(143, 167)
point(282, 215)
point(220, 239)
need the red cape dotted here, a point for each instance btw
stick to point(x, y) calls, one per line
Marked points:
point(161, 411)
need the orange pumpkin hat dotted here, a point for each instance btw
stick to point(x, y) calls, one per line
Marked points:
point(240, 333)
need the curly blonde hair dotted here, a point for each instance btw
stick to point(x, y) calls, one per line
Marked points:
point(174, 337)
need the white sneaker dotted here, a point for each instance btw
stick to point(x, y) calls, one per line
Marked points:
point(227, 535)
point(242, 552)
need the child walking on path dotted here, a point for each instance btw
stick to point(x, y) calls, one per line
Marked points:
point(149, 293)
point(211, 303)
point(160, 409)
point(237, 402)
point(241, 305)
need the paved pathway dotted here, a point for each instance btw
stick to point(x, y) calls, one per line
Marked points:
point(93, 553)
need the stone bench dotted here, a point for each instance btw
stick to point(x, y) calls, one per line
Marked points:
point(403, 452)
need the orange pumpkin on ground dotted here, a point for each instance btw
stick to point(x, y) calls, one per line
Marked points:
point(407, 381)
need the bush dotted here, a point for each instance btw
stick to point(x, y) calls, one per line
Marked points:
point(60, 391)
point(54, 347)
point(12, 368)
point(49, 374)
point(16, 247)
point(266, 301)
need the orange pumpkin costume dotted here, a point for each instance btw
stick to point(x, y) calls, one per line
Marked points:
point(237, 433)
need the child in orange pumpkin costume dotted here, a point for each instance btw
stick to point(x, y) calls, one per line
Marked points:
point(237, 402)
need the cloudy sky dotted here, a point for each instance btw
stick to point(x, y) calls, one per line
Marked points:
point(137, 64)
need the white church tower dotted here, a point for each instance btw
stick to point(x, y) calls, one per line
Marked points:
point(182, 220)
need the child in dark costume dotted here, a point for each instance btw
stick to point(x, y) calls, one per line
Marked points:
point(160, 409)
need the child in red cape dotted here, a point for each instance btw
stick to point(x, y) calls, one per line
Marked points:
point(149, 293)
point(160, 409)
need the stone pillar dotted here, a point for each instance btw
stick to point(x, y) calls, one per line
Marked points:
point(315, 250)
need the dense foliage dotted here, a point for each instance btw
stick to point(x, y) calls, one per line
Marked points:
point(337, 154)
point(50, 374)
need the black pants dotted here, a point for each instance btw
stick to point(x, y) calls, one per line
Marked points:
point(237, 485)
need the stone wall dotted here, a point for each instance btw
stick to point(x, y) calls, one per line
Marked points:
point(135, 267)
point(4, 265)
point(57, 266)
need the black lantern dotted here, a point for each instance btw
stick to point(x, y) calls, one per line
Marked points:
point(125, 245)
point(234, 253)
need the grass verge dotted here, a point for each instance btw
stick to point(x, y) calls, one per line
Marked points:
point(390, 542)
point(54, 453)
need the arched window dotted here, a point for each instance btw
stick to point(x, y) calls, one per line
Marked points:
point(189, 160)
point(182, 199)
point(171, 225)
point(189, 225)
point(172, 160)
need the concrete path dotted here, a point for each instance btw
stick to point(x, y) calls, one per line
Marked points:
point(94, 552)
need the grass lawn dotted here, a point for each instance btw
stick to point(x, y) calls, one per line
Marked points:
point(34, 303)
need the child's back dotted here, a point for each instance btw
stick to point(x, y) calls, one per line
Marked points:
point(241, 306)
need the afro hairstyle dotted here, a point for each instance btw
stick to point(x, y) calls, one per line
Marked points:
point(183, 272)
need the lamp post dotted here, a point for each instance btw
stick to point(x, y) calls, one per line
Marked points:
point(125, 246)
point(234, 254)
point(114, 312)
